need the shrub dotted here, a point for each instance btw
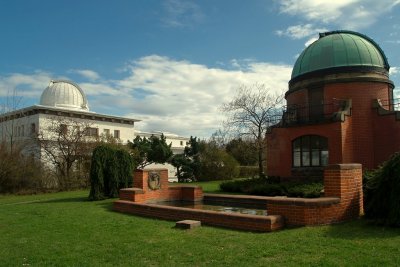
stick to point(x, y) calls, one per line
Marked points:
point(216, 164)
point(382, 193)
point(305, 190)
point(267, 190)
point(236, 186)
point(271, 187)
point(19, 173)
point(111, 170)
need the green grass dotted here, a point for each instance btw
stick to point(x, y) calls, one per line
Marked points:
point(64, 229)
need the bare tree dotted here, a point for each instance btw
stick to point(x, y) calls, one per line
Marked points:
point(220, 138)
point(251, 111)
point(65, 142)
point(9, 112)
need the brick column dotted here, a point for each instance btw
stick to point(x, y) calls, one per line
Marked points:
point(140, 179)
point(345, 181)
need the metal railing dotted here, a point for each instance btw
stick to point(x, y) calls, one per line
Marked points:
point(391, 104)
point(303, 114)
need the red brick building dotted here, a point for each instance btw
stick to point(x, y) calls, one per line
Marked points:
point(340, 109)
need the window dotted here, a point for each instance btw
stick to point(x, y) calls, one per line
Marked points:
point(22, 130)
point(106, 132)
point(181, 143)
point(63, 129)
point(116, 134)
point(33, 128)
point(92, 131)
point(310, 150)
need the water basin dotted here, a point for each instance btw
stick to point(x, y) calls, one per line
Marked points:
point(204, 206)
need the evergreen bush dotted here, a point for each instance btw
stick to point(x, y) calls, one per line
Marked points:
point(310, 190)
point(382, 193)
point(111, 169)
point(271, 187)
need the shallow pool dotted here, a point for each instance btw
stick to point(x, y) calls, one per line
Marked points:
point(204, 206)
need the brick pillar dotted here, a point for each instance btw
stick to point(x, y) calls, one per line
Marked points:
point(140, 179)
point(345, 181)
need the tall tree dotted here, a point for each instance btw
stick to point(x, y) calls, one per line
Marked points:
point(243, 150)
point(251, 111)
point(153, 150)
point(9, 112)
point(188, 163)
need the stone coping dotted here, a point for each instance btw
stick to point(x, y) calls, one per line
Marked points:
point(155, 169)
point(132, 189)
point(140, 190)
point(184, 186)
point(321, 201)
point(271, 218)
point(344, 166)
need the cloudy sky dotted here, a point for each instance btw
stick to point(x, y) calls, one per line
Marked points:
point(173, 63)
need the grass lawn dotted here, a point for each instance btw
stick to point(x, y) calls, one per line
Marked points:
point(64, 229)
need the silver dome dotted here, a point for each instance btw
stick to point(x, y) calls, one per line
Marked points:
point(64, 94)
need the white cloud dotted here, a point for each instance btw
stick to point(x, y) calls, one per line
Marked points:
point(348, 14)
point(183, 97)
point(300, 31)
point(393, 41)
point(24, 85)
point(394, 70)
point(88, 74)
point(169, 95)
point(181, 13)
point(104, 88)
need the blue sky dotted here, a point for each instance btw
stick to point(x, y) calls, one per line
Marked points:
point(173, 63)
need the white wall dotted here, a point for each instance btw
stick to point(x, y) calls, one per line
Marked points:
point(127, 131)
point(19, 129)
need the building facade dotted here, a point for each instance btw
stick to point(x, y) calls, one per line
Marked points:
point(340, 109)
point(64, 101)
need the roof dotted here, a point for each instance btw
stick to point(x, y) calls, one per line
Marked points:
point(159, 133)
point(337, 49)
point(64, 94)
point(38, 109)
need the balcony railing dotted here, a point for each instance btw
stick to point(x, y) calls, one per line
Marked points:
point(308, 114)
point(391, 104)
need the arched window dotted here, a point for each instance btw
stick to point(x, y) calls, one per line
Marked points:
point(310, 151)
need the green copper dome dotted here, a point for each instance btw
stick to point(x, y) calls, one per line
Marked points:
point(340, 49)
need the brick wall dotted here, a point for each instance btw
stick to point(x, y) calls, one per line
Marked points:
point(343, 199)
point(362, 122)
point(230, 220)
point(386, 129)
point(141, 193)
point(279, 146)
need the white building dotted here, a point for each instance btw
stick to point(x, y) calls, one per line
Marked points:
point(66, 100)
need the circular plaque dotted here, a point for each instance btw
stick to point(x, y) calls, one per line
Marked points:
point(154, 181)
